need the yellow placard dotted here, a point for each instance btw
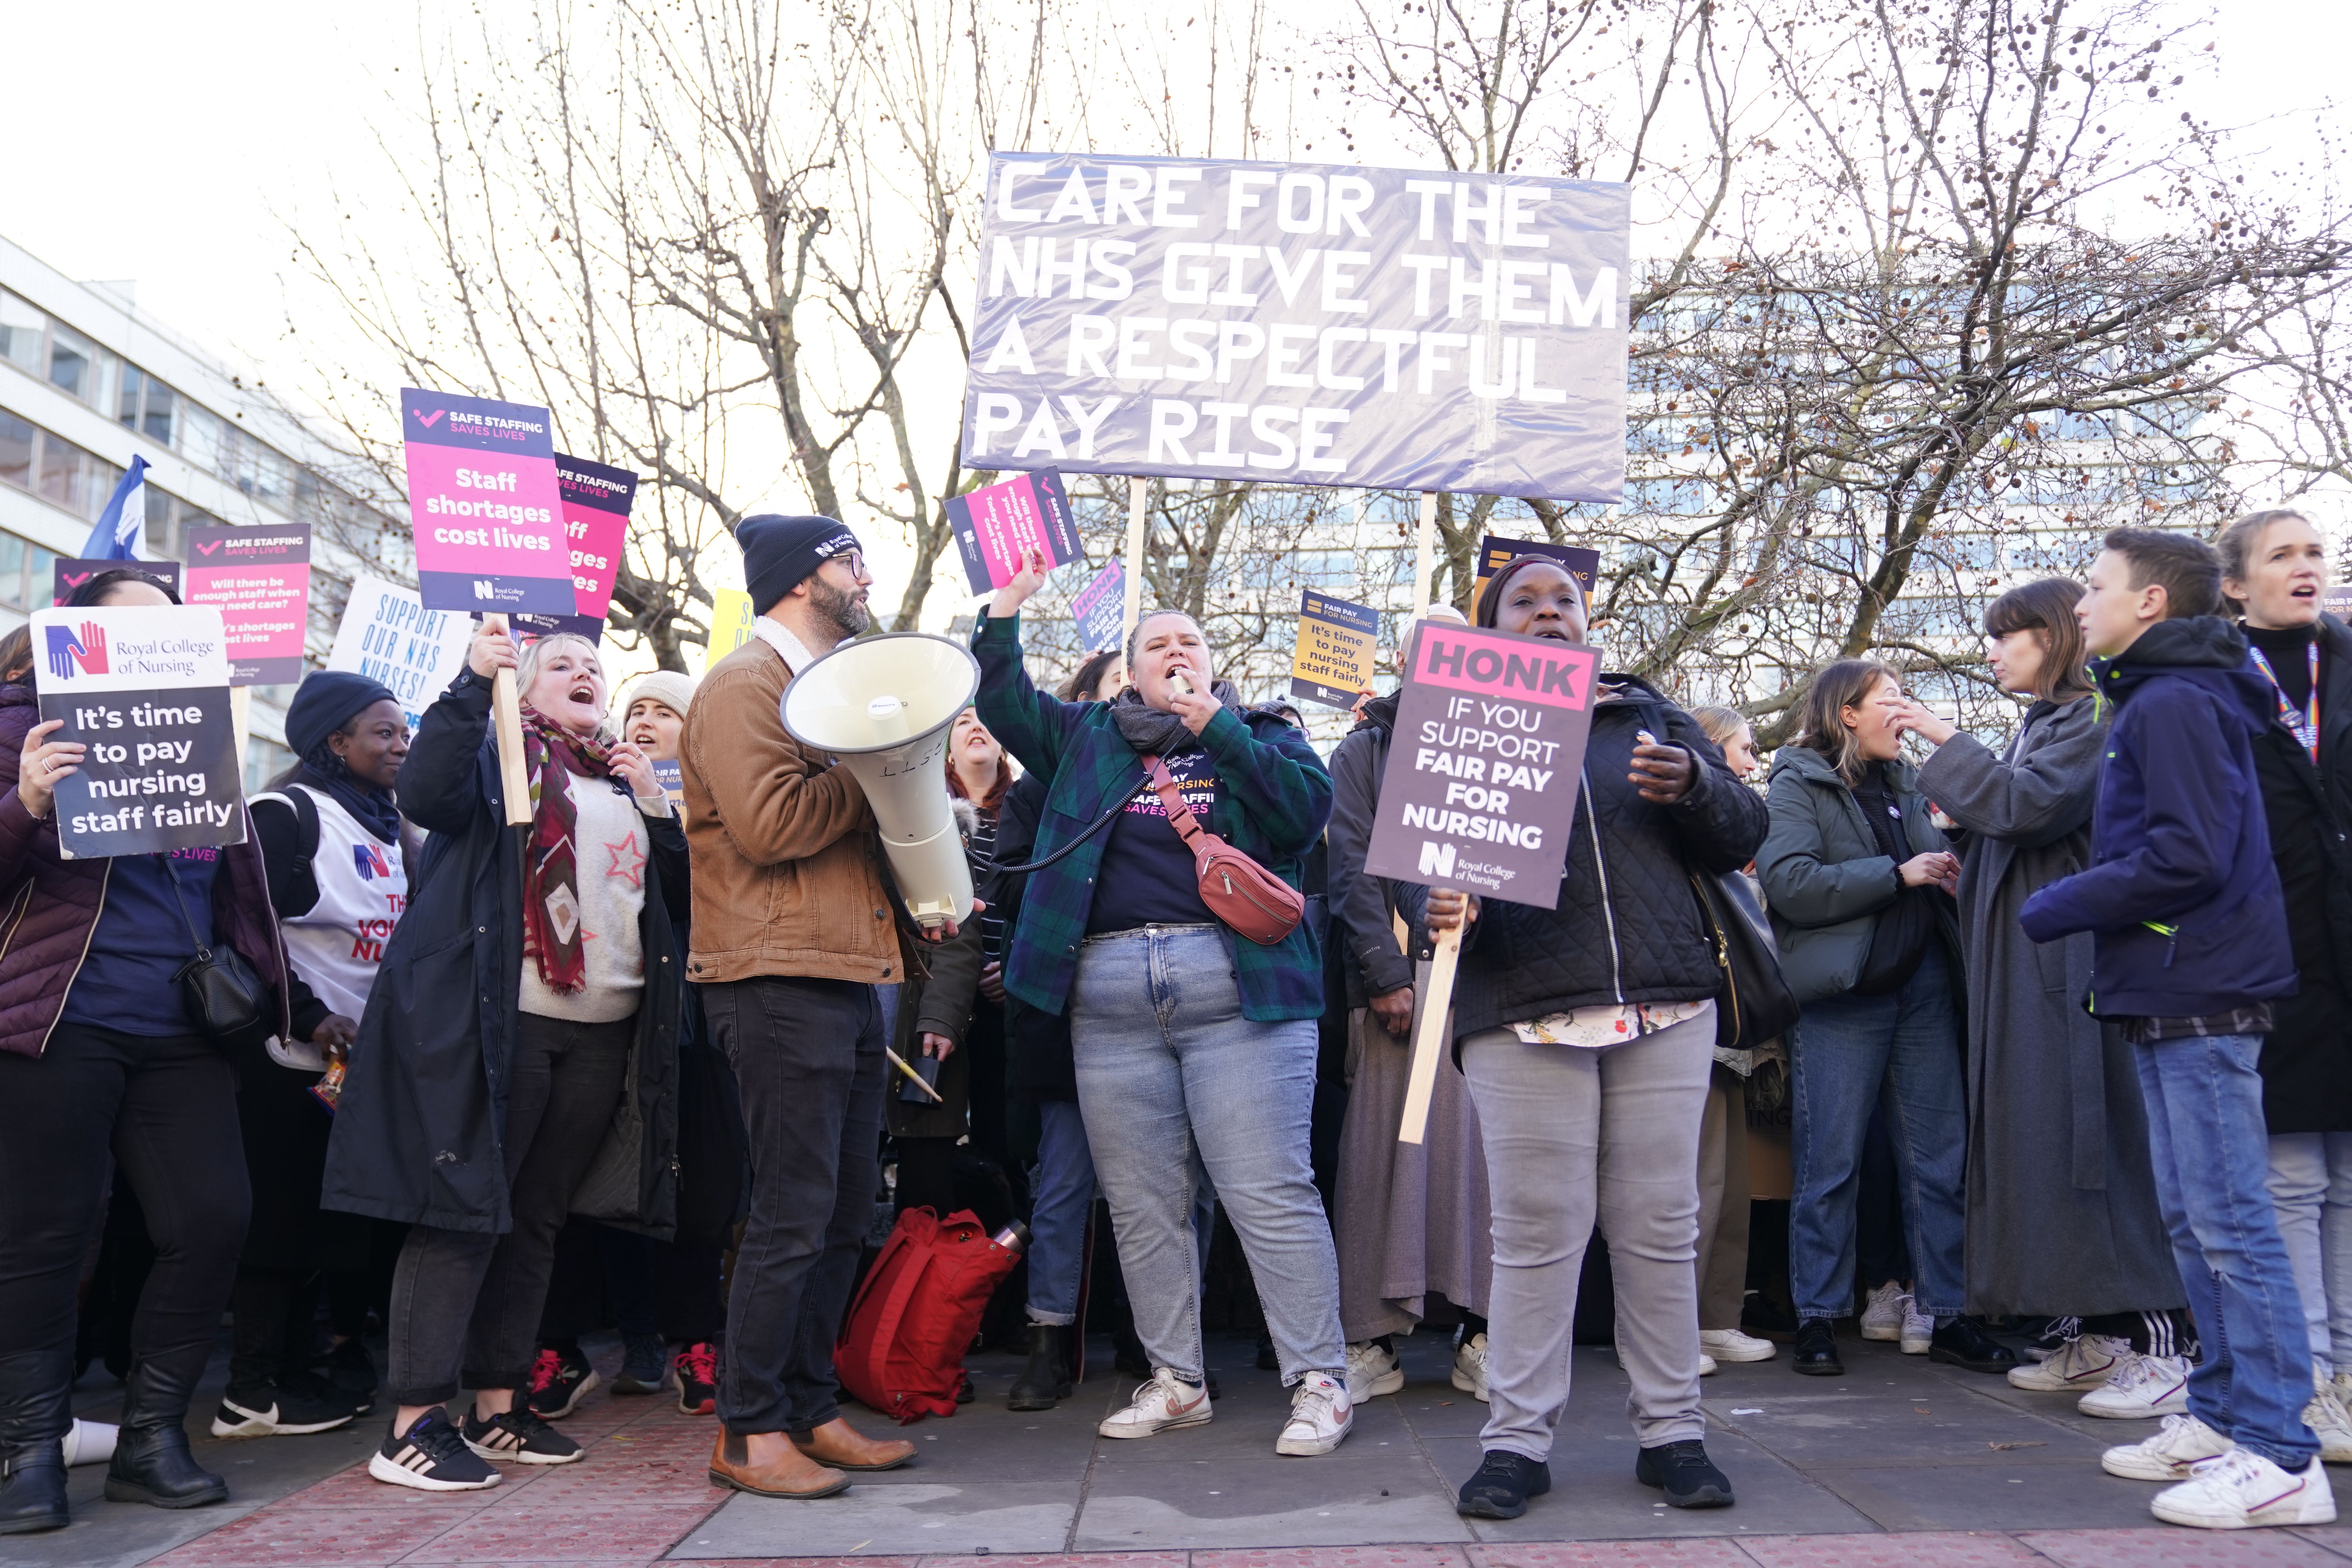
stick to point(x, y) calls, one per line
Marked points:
point(731, 622)
point(1332, 663)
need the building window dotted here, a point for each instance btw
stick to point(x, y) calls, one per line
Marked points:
point(15, 450)
point(146, 405)
point(168, 521)
point(55, 468)
point(21, 331)
point(80, 367)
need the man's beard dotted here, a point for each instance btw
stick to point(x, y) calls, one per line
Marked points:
point(847, 614)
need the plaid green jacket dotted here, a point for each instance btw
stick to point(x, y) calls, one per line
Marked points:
point(1276, 785)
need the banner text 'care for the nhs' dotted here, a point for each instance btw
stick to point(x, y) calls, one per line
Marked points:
point(1305, 323)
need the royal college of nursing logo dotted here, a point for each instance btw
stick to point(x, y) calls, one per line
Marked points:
point(77, 650)
point(370, 861)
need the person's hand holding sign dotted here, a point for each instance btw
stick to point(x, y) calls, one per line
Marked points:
point(1447, 909)
point(493, 650)
point(1663, 773)
point(1025, 582)
point(43, 763)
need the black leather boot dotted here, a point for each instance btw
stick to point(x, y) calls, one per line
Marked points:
point(1047, 1379)
point(36, 1412)
point(151, 1462)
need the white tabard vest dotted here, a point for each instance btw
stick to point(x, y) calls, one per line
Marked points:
point(337, 947)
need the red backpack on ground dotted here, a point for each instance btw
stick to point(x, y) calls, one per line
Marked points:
point(902, 1350)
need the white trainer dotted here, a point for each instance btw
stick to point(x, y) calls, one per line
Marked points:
point(2144, 1385)
point(1919, 1329)
point(1470, 1367)
point(2180, 1442)
point(2242, 1491)
point(1882, 1312)
point(1730, 1344)
point(1167, 1400)
point(2330, 1423)
point(1372, 1371)
point(2343, 1387)
point(2082, 1363)
point(1706, 1367)
point(1320, 1414)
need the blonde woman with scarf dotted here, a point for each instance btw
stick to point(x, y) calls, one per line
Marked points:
point(483, 1125)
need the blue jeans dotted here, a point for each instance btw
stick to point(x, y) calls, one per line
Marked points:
point(2211, 1152)
point(1063, 1183)
point(1851, 1053)
point(1170, 1076)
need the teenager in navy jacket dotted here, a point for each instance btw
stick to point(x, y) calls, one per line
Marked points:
point(2190, 945)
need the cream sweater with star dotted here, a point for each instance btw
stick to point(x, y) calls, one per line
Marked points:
point(610, 847)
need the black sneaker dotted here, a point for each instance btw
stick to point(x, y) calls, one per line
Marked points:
point(1504, 1483)
point(644, 1365)
point(311, 1386)
point(522, 1436)
point(433, 1456)
point(1816, 1349)
point(1685, 1474)
point(696, 1370)
point(560, 1379)
point(1962, 1342)
point(282, 1411)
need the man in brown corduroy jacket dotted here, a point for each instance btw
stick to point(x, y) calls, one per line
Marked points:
point(793, 930)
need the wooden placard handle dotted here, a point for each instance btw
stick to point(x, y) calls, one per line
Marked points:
point(1429, 1042)
point(506, 717)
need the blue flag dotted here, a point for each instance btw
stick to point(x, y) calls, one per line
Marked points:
point(116, 536)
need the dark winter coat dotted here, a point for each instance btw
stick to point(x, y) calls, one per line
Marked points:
point(1826, 881)
point(2307, 1059)
point(2061, 1212)
point(2181, 893)
point(421, 1127)
point(1363, 908)
point(53, 903)
point(1627, 927)
point(1039, 1064)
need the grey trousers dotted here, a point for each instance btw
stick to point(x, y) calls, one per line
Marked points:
point(1574, 1134)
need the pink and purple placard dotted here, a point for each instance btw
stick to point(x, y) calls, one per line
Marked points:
point(1101, 609)
point(484, 505)
point(259, 579)
point(596, 502)
point(992, 525)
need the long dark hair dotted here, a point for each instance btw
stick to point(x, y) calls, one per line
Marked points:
point(1841, 685)
point(1082, 685)
point(17, 656)
point(2047, 608)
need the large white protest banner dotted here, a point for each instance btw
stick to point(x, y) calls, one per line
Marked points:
point(145, 688)
point(388, 634)
point(1301, 323)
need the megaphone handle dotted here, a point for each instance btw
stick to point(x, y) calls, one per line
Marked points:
point(506, 717)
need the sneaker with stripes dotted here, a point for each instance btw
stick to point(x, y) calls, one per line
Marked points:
point(520, 1436)
point(432, 1456)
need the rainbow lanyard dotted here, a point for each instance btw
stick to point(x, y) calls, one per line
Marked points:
point(2305, 726)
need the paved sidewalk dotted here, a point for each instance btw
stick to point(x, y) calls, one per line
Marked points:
point(1899, 1463)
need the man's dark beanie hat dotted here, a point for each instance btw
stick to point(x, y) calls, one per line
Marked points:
point(780, 552)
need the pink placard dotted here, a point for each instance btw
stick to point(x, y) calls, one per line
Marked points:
point(483, 505)
point(260, 580)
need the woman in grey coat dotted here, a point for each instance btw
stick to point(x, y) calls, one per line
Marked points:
point(2061, 1208)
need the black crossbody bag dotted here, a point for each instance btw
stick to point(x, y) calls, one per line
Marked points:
point(222, 995)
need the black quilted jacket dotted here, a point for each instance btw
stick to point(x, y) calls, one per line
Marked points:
point(1628, 927)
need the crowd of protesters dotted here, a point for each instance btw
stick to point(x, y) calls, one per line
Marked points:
point(2066, 1097)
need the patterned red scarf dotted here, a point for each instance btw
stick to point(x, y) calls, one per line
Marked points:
point(551, 876)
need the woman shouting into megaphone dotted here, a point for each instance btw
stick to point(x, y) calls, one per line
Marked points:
point(1193, 1022)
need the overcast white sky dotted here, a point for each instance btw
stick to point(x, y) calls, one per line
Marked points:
point(171, 144)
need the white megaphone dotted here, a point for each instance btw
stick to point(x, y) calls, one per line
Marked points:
point(884, 705)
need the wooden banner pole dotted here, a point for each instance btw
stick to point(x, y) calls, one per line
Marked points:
point(506, 716)
point(1138, 492)
point(1424, 555)
point(1429, 1042)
